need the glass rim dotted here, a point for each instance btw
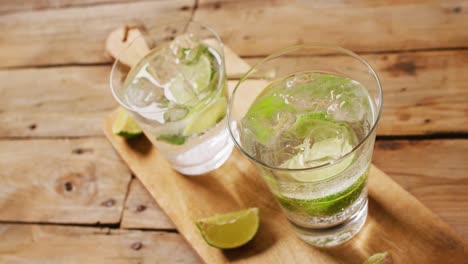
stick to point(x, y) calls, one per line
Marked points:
point(117, 61)
point(282, 52)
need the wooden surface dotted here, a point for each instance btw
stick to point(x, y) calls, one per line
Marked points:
point(61, 244)
point(397, 222)
point(141, 211)
point(61, 181)
point(54, 95)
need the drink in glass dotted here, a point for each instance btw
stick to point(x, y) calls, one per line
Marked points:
point(311, 131)
point(177, 94)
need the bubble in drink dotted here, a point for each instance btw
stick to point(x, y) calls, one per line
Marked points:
point(307, 120)
point(172, 84)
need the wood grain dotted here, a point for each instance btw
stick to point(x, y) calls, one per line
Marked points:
point(434, 171)
point(264, 26)
point(54, 102)
point(61, 181)
point(405, 228)
point(60, 244)
point(141, 211)
point(29, 5)
point(76, 35)
point(424, 92)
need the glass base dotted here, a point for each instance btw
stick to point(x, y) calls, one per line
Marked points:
point(212, 164)
point(336, 235)
point(210, 156)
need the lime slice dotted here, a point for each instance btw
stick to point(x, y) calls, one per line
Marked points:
point(192, 80)
point(206, 118)
point(125, 126)
point(262, 113)
point(328, 205)
point(230, 230)
point(199, 73)
point(331, 141)
point(319, 154)
point(379, 258)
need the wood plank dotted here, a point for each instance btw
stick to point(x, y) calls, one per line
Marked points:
point(141, 211)
point(76, 35)
point(61, 181)
point(260, 27)
point(434, 171)
point(48, 102)
point(424, 92)
point(397, 222)
point(60, 244)
point(56, 102)
point(71, 101)
point(29, 5)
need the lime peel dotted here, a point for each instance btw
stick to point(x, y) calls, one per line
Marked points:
point(328, 205)
point(230, 230)
point(206, 118)
point(198, 72)
point(125, 126)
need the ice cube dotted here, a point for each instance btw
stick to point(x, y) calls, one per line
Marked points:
point(181, 91)
point(141, 93)
point(349, 103)
point(175, 113)
point(162, 67)
point(186, 48)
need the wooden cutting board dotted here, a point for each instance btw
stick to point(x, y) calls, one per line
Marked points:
point(397, 222)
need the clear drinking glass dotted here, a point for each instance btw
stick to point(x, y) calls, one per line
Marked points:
point(176, 92)
point(306, 116)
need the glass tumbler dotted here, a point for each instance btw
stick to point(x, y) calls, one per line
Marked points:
point(306, 116)
point(175, 90)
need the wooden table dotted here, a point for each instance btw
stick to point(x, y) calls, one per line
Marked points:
point(66, 197)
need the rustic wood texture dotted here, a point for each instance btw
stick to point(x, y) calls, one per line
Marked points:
point(434, 171)
point(61, 181)
point(141, 211)
point(263, 26)
point(33, 38)
point(77, 34)
point(440, 183)
point(424, 92)
point(393, 226)
point(60, 244)
point(50, 125)
point(54, 102)
point(9, 6)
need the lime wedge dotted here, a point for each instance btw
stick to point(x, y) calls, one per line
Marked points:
point(199, 73)
point(230, 230)
point(125, 126)
point(206, 118)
